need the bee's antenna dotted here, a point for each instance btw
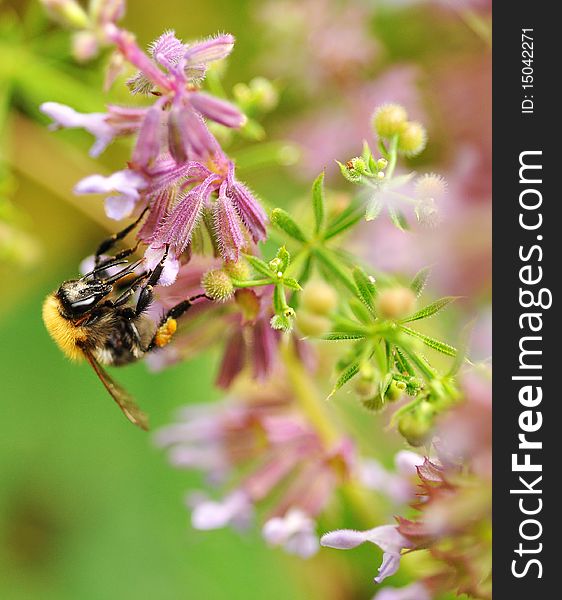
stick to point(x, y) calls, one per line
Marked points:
point(103, 267)
point(126, 271)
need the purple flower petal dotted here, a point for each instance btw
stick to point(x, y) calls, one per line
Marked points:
point(217, 110)
point(94, 123)
point(387, 537)
point(227, 226)
point(214, 48)
point(295, 532)
point(248, 207)
point(344, 539)
point(147, 146)
point(119, 207)
point(235, 509)
point(167, 49)
point(407, 462)
point(127, 182)
point(414, 591)
point(389, 566)
point(232, 361)
point(178, 226)
point(159, 204)
point(153, 256)
point(188, 136)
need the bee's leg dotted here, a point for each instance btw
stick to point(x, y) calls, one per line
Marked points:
point(167, 325)
point(111, 241)
point(146, 295)
point(133, 287)
point(111, 261)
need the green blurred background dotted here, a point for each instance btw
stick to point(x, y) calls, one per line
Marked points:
point(88, 507)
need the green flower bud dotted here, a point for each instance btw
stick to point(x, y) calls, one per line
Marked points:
point(281, 322)
point(239, 270)
point(375, 403)
point(389, 120)
point(413, 138)
point(396, 302)
point(67, 12)
point(395, 391)
point(319, 298)
point(415, 426)
point(311, 324)
point(217, 285)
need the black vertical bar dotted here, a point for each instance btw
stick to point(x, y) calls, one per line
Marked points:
point(526, 129)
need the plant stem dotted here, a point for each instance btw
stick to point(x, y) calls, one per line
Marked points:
point(313, 406)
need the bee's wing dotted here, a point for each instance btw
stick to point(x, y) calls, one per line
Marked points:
point(121, 396)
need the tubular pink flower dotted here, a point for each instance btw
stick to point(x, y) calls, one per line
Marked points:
point(94, 123)
point(153, 256)
point(147, 146)
point(233, 360)
point(178, 226)
point(227, 226)
point(217, 110)
point(188, 136)
point(386, 537)
point(248, 207)
point(127, 45)
point(235, 509)
point(128, 183)
point(209, 50)
point(295, 532)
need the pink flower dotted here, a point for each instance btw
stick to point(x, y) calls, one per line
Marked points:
point(386, 537)
point(398, 486)
point(414, 591)
point(295, 532)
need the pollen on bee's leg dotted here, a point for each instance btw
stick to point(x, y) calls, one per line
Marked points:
point(165, 332)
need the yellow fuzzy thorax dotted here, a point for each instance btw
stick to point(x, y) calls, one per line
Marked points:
point(64, 332)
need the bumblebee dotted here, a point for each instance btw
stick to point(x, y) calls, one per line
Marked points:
point(93, 318)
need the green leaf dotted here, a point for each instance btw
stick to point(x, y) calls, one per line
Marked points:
point(258, 265)
point(384, 385)
point(306, 270)
point(345, 171)
point(284, 258)
point(347, 374)
point(462, 351)
point(417, 284)
point(319, 202)
point(431, 342)
point(284, 221)
point(430, 309)
point(374, 208)
point(342, 335)
point(292, 284)
point(349, 326)
point(345, 220)
point(335, 268)
point(402, 363)
point(360, 311)
point(366, 289)
point(398, 218)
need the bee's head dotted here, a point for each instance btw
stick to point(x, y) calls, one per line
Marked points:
point(79, 296)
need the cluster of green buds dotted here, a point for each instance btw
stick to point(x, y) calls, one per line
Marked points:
point(386, 358)
point(318, 301)
point(364, 166)
point(87, 24)
point(394, 130)
point(375, 172)
point(221, 284)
